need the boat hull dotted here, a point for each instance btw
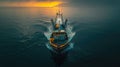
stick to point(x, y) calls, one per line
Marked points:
point(65, 49)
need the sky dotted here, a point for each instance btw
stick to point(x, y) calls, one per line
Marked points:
point(23, 3)
point(29, 3)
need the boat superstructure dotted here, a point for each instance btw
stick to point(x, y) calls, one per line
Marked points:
point(59, 39)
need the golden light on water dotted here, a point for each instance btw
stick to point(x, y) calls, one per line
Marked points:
point(51, 12)
point(51, 7)
point(30, 4)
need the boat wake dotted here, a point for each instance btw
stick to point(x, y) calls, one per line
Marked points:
point(69, 31)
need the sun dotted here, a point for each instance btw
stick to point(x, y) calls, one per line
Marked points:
point(46, 4)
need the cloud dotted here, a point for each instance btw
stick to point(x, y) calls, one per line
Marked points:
point(95, 2)
point(29, 4)
point(76, 2)
point(24, 0)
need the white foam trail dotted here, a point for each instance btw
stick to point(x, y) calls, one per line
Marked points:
point(70, 33)
point(49, 32)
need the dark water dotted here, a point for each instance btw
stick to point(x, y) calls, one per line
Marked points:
point(96, 43)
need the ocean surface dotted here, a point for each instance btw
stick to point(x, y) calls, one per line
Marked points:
point(96, 42)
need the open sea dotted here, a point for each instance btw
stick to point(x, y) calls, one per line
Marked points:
point(96, 42)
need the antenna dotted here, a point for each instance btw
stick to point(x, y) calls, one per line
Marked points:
point(59, 8)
